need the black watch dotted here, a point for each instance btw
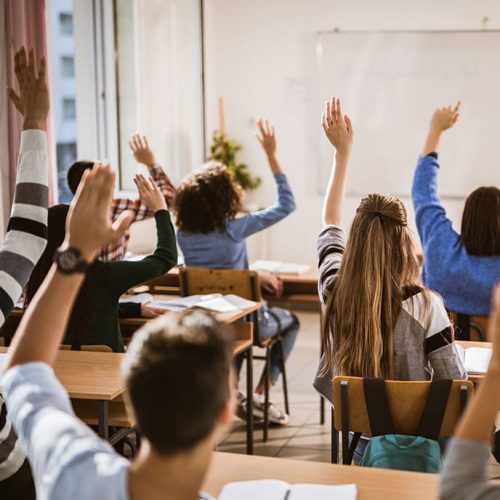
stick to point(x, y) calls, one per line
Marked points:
point(70, 261)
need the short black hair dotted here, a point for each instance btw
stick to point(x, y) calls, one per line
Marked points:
point(75, 172)
point(178, 376)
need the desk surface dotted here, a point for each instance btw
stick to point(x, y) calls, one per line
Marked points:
point(89, 375)
point(373, 484)
point(474, 378)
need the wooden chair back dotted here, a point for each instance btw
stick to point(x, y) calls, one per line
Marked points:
point(200, 281)
point(473, 328)
point(406, 399)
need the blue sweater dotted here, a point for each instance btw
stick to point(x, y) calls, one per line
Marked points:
point(227, 249)
point(465, 281)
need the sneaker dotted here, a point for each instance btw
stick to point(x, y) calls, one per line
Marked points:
point(241, 409)
point(275, 415)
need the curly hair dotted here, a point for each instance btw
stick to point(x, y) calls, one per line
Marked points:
point(207, 199)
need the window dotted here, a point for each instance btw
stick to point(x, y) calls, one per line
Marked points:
point(69, 109)
point(67, 67)
point(65, 22)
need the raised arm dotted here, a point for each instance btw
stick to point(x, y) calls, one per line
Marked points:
point(88, 229)
point(26, 236)
point(338, 129)
point(429, 212)
point(245, 226)
point(465, 472)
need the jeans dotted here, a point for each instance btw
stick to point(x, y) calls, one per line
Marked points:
point(271, 320)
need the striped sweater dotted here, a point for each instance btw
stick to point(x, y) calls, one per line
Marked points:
point(423, 345)
point(23, 245)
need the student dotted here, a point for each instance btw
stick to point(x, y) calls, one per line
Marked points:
point(142, 154)
point(94, 319)
point(210, 235)
point(378, 321)
point(177, 372)
point(464, 267)
point(25, 240)
point(465, 469)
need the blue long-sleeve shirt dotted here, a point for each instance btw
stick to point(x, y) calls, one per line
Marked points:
point(465, 281)
point(227, 249)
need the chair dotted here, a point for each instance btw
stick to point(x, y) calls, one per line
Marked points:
point(469, 327)
point(246, 284)
point(406, 400)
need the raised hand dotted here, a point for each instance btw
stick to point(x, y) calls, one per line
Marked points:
point(266, 137)
point(150, 194)
point(444, 118)
point(337, 127)
point(33, 100)
point(141, 151)
point(89, 227)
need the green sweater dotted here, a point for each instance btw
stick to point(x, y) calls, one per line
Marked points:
point(94, 319)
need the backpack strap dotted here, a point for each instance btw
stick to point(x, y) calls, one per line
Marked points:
point(378, 408)
point(432, 416)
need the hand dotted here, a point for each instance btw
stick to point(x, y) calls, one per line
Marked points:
point(444, 118)
point(271, 284)
point(88, 226)
point(337, 128)
point(150, 312)
point(266, 137)
point(494, 330)
point(150, 194)
point(33, 99)
point(141, 151)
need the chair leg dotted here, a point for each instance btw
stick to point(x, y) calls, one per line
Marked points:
point(335, 441)
point(283, 376)
point(266, 398)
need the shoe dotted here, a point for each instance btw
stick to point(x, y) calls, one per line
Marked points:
point(241, 409)
point(275, 415)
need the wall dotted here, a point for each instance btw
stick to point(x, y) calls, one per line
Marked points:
point(258, 56)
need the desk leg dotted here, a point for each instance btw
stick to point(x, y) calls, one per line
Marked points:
point(103, 420)
point(321, 350)
point(249, 356)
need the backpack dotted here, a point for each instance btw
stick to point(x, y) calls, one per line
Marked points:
point(387, 450)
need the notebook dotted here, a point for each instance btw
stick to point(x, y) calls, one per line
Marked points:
point(140, 298)
point(215, 302)
point(274, 266)
point(270, 489)
point(474, 359)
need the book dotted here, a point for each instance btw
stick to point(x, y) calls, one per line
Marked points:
point(276, 267)
point(139, 298)
point(215, 302)
point(474, 359)
point(271, 489)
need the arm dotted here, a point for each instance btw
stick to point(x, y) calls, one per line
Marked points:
point(429, 211)
point(88, 229)
point(338, 129)
point(465, 470)
point(250, 224)
point(26, 236)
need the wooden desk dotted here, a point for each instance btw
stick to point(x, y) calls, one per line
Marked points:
point(373, 484)
point(474, 378)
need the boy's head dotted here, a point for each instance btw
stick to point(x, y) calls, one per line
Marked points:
point(178, 372)
point(75, 172)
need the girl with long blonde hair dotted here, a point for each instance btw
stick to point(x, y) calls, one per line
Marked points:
point(378, 320)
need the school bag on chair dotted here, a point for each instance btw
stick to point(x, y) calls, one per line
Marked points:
point(387, 450)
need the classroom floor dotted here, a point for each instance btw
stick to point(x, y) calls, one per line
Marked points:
point(304, 438)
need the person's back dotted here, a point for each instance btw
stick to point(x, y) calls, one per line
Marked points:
point(464, 267)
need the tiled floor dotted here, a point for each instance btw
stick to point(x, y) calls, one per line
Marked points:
point(304, 438)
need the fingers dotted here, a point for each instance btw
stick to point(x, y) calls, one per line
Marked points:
point(42, 72)
point(348, 123)
point(16, 100)
point(31, 64)
point(122, 224)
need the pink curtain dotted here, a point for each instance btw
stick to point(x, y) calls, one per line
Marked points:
point(25, 23)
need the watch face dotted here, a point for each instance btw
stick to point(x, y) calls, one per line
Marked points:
point(70, 261)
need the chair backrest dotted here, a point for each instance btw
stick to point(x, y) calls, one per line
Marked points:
point(474, 328)
point(199, 281)
point(90, 347)
point(406, 400)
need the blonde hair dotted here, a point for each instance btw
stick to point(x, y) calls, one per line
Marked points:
point(362, 310)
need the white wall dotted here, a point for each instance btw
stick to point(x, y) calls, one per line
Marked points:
point(258, 57)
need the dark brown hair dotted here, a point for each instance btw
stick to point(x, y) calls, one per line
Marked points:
point(178, 376)
point(207, 199)
point(75, 172)
point(481, 222)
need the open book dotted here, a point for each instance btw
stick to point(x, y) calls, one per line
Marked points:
point(215, 302)
point(273, 266)
point(474, 359)
point(279, 490)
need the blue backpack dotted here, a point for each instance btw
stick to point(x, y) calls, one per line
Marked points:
point(387, 450)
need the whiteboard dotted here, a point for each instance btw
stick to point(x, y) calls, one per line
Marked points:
point(390, 83)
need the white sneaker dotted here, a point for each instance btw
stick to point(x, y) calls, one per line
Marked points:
point(275, 415)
